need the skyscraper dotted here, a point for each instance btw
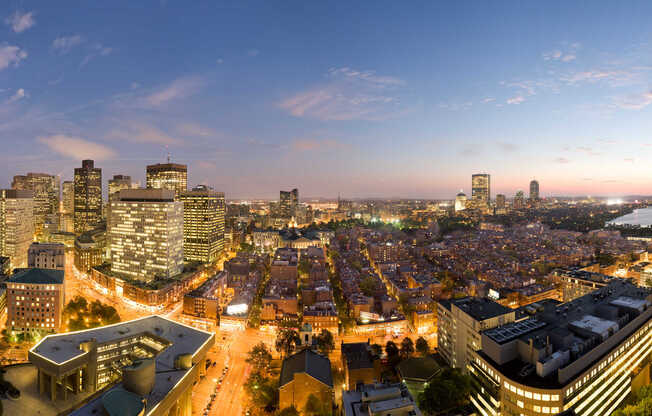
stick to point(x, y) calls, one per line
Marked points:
point(16, 225)
point(46, 195)
point(68, 197)
point(203, 224)
point(288, 202)
point(146, 234)
point(500, 203)
point(172, 176)
point(118, 183)
point(481, 188)
point(88, 196)
point(534, 190)
point(519, 200)
point(460, 201)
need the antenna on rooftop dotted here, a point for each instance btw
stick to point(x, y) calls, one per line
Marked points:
point(168, 150)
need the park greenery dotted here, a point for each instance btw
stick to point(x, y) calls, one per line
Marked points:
point(325, 342)
point(260, 386)
point(642, 404)
point(78, 314)
point(287, 341)
point(422, 346)
point(447, 391)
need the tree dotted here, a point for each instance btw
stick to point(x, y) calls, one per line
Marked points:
point(391, 349)
point(288, 411)
point(325, 342)
point(263, 391)
point(642, 406)
point(449, 389)
point(407, 347)
point(304, 267)
point(377, 350)
point(315, 407)
point(259, 357)
point(422, 346)
point(368, 286)
point(287, 341)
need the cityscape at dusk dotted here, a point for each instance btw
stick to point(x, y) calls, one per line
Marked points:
point(360, 101)
point(288, 208)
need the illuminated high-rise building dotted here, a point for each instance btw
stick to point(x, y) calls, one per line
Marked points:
point(519, 200)
point(481, 188)
point(88, 197)
point(460, 201)
point(580, 358)
point(172, 176)
point(534, 190)
point(203, 224)
point(68, 197)
point(500, 203)
point(46, 195)
point(288, 203)
point(118, 183)
point(146, 234)
point(16, 225)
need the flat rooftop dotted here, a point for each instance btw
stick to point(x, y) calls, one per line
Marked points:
point(599, 314)
point(182, 340)
point(481, 308)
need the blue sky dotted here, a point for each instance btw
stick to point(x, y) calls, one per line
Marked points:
point(364, 99)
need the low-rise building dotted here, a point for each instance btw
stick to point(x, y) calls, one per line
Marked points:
point(47, 256)
point(147, 365)
point(379, 400)
point(360, 365)
point(35, 300)
point(303, 374)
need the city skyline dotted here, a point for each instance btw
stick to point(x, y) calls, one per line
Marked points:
point(261, 97)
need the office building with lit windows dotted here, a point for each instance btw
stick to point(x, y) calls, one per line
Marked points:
point(35, 300)
point(46, 195)
point(459, 322)
point(172, 176)
point(500, 204)
point(146, 234)
point(583, 357)
point(146, 367)
point(203, 224)
point(88, 197)
point(68, 197)
point(288, 203)
point(118, 183)
point(16, 225)
point(534, 190)
point(460, 201)
point(481, 188)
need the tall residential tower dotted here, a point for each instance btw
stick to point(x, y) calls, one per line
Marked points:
point(203, 224)
point(88, 196)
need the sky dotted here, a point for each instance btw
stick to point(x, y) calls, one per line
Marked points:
point(361, 99)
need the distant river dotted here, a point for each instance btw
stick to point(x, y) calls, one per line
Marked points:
point(642, 217)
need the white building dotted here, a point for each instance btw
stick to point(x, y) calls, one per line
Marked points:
point(146, 234)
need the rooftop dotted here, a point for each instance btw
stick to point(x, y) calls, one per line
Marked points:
point(182, 340)
point(480, 309)
point(38, 276)
point(309, 362)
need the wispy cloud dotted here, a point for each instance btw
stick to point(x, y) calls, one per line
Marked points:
point(20, 21)
point(142, 133)
point(566, 55)
point(195, 130)
point(304, 145)
point(97, 50)
point(634, 102)
point(64, 44)
point(561, 160)
point(76, 147)
point(253, 52)
point(178, 89)
point(588, 151)
point(473, 149)
point(488, 100)
point(18, 95)
point(348, 94)
point(11, 55)
point(516, 100)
